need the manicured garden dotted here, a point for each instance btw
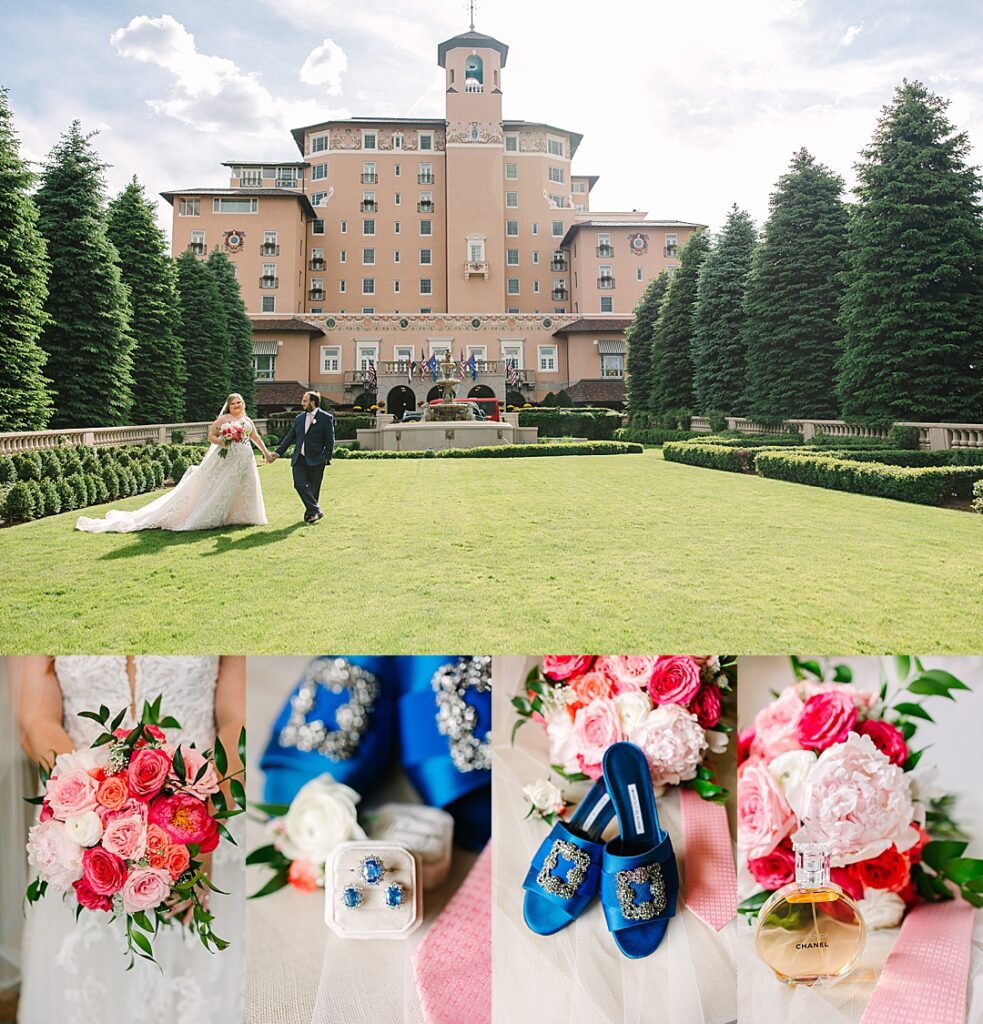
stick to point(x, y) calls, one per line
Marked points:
point(517, 555)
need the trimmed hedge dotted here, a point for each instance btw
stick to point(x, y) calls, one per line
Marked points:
point(709, 456)
point(821, 440)
point(594, 424)
point(753, 440)
point(653, 435)
point(501, 451)
point(978, 496)
point(346, 426)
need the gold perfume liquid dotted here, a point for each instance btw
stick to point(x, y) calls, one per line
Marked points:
point(810, 931)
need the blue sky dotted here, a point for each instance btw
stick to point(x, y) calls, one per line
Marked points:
point(684, 109)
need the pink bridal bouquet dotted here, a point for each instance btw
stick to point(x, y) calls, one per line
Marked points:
point(126, 823)
point(838, 763)
point(230, 433)
point(672, 706)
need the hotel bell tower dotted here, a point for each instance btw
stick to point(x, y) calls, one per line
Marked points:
point(473, 64)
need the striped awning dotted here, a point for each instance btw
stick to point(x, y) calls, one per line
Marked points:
point(265, 348)
point(611, 347)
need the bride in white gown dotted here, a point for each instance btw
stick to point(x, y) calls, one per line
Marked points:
point(75, 972)
point(223, 490)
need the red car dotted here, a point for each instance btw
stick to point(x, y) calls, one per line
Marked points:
point(490, 407)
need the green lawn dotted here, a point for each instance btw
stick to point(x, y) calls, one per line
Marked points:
point(604, 554)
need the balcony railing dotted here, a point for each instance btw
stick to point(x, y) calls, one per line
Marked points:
point(612, 371)
point(559, 266)
point(473, 85)
point(670, 252)
point(368, 206)
point(316, 295)
point(251, 182)
point(424, 206)
point(268, 281)
point(486, 367)
point(356, 378)
point(370, 179)
point(198, 248)
point(270, 249)
point(560, 294)
point(288, 183)
point(476, 268)
point(605, 283)
point(424, 179)
point(605, 251)
point(317, 263)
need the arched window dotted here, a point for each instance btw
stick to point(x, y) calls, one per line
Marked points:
point(474, 73)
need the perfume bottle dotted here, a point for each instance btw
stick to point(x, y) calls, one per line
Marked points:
point(810, 931)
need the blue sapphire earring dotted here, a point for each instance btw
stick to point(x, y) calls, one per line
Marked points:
point(372, 870)
point(395, 895)
point(351, 896)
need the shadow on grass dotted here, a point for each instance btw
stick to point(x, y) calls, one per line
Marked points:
point(231, 538)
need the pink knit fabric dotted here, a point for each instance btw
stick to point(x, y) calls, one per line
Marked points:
point(710, 876)
point(925, 976)
point(453, 963)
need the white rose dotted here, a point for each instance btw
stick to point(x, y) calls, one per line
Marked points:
point(544, 795)
point(791, 769)
point(85, 759)
point(633, 708)
point(718, 741)
point(881, 908)
point(84, 829)
point(321, 816)
point(563, 748)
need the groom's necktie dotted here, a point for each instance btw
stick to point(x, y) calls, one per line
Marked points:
point(307, 427)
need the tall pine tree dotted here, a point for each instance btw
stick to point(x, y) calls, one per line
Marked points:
point(719, 353)
point(913, 309)
point(638, 339)
point(793, 297)
point(672, 339)
point(203, 338)
point(24, 400)
point(148, 271)
point(238, 328)
point(87, 336)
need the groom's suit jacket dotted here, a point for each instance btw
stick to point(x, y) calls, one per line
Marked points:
point(318, 442)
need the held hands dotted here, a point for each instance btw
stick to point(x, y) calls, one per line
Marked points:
point(271, 457)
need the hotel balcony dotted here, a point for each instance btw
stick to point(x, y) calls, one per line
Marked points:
point(268, 281)
point(605, 251)
point(605, 283)
point(316, 295)
point(198, 248)
point(316, 263)
point(370, 179)
point(356, 380)
point(287, 183)
point(476, 268)
point(670, 252)
point(425, 206)
point(560, 295)
point(368, 206)
point(269, 249)
point(424, 179)
point(559, 266)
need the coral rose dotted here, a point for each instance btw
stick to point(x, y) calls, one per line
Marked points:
point(148, 771)
point(176, 860)
point(775, 869)
point(675, 680)
point(157, 841)
point(887, 738)
point(889, 870)
point(627, 672)
point(103, 871)
point(562, 666)
point(706, 705)
point(113, 792)
point(73, 792)
point(826, 718)
point(673, 743)
point(185, 820)
point(89, 898)
point(145, 889)
point(764, 817)
point(595, 728)
point(589, 686)
point(304, 875)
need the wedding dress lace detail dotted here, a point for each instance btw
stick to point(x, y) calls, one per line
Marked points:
point(75, 972)
point(217, 492)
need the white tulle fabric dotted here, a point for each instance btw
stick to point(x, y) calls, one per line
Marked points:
point(74, 973)
point(217, 492)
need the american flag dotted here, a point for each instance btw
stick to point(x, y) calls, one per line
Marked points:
point(423, 364)
point(513, 372)
point(410, 367)
point(462, 366)
point(373, 376)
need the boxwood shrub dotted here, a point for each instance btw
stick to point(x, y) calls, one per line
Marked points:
point(50, 499)
point(7, 472)
point(978, 496)
point(22, 501)
point(653, 435)
point(594, 424)
point(502, 451)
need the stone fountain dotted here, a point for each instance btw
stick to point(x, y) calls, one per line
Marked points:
point(449, 410)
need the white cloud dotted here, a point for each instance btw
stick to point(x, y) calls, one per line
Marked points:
point(325, 65)
point(851, 33)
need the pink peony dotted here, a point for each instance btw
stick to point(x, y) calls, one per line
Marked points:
point(675, 680)
point(764, 817)
point(126, 835)
point(193, 762)
point(113, 792)
point(57, 858)
point(73, 792)
point(145, 889)
point(627, 672)
point(856, 802)
point(103, 871)
point(775, 869)
point(774, 725)
point(562, 666)
point(706, 705)
point(887, 738)
point(89, 898)
point(590, 686)
point(595, 727)
point(827, 717)
point(148, 771)
point(185, 819)
point(673, 743)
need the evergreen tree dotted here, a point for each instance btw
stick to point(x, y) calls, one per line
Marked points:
point(793, 297)
point(24, 400)
point(203, 337)
point(87, 336)
point(719, 353)
point(238, 328)
point(913, 309)
point(672, 338)
point(638, 340)
point(148, 271)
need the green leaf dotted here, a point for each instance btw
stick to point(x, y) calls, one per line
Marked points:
point(118, 721)
point(913, 711)
point(273, 810)
point(278, 881)
point(103, 739)
point(974, 899)
point(140, 919)
point(929, 687)
point(913, 758)
point(221, 759)
point(963, 869)
point(143, 942)
point(170, 723)
point(843, 674)
point(268, 855)
point(902, 665)
point(536, 686)
point(225, 833)
point(238, 793)
point(522, 705)
point(95, 716)
point(242, 745)
point(938, 852)
point(947, 679)
point(180, 769)
point(515, 728)
point(569, 776)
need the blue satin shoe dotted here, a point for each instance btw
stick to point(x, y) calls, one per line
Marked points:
point(639, 880)
point(565, 871)
point(444, 725)
point(338, 720)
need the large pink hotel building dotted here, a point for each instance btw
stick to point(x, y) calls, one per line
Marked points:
point(391, 239)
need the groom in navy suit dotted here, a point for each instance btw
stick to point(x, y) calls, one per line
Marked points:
point(313, 434)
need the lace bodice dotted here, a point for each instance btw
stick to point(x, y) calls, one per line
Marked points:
point(187, 685)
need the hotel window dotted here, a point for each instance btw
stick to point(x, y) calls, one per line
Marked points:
point(425, 175)
point(403, 354)
point(197, 245)
point(251, 177)
point(368, 227)
point(368, 309)
point(604, 247)
point(397, 141)
point(189, 208)
point(268, 304)
point(511, 143)
point(342, 255)
point(512, 286)
point(555, 147)
point(342, 286)
point(547, 358)
point(317, 227)
point(426, 257)
point(425, 204)
point(366, 352)
point(396, 286)
point(512, 200)
point(579, 187)
point(671, 249)
point(477, 251)
point(426, 309)
point(612, 364)
point(318, 197)
point(396, 170)
point(535, 228)
point(557, 202)
point(317, 259)
point(268, 279)
point(426, 227)
point(512, 354)
point(638, 273)
point(535, 256)
point(557, 229)
point(480, 352)
point(512, 257)
point(369, 173)
point(396, 256)
point(235, 205)
point(426, 286)
point(368, 286)
point(396, 228)
point(344, 227)
point(264, 366)
point(535, 287)
point(425, 140)
point(368, 257)
point(512, 172)
point(397, 199)
point(317, 289)
point(319, 144)
point(579, 207)
point(556, 174)
point(512, 228)
point(286, 177)
point(368, 202)
point(319, 172)
point(330, 359)
point(607, 304)
point(369, 140)
point(514, 309)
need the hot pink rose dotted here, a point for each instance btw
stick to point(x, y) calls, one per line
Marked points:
point(590, 685)
point(775, 869)
point(627, 672)
point(847, 881)
point(706, 705)
point(51, 850)
point(185, 819)
point(864, 699)
point(113, 792)
point(46, 813)
point(672, 741)
point(148, 771)
point(103, 871)
point(126, 836)
point(303, 875)
point(73, 792)
point(193, 763)
point(774, 725)
point(764, 817)
point(155, 731)
point(745, 740)
point(595, 728)
point(89, 898)
point(562, 666)
point(826, 718)
point(145, 889)
point(675, 680)
point(886, 737)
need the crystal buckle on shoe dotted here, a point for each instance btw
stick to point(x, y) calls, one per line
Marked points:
point(351, 718)
point(625, 882)
point(564, 888)
point(456, 719)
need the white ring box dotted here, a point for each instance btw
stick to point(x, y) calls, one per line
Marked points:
point(427, 831)
point(373, 918)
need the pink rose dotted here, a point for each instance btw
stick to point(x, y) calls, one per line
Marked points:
point(826, 718)
point(154, 731)
point(595, 728)
point(562, 666)
point(57, 858)
point(145, 889)
point(764, 817)
point(303, 875)
point(774, 725)
point(863, 699)
point(126, 836)
point(589, 686)
point(148, 771)
point(706, 705)
point(104, 872)
point(73, 792)
point(886, 737)
point(89, 898)
point(627, 672)
point(193, 762)
point(113, 792)
point(675, 680)
point(672, 741)
point(775, 869)
point(185, 819)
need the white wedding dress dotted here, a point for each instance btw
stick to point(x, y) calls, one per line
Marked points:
point(75, 973)
point(217, 492)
